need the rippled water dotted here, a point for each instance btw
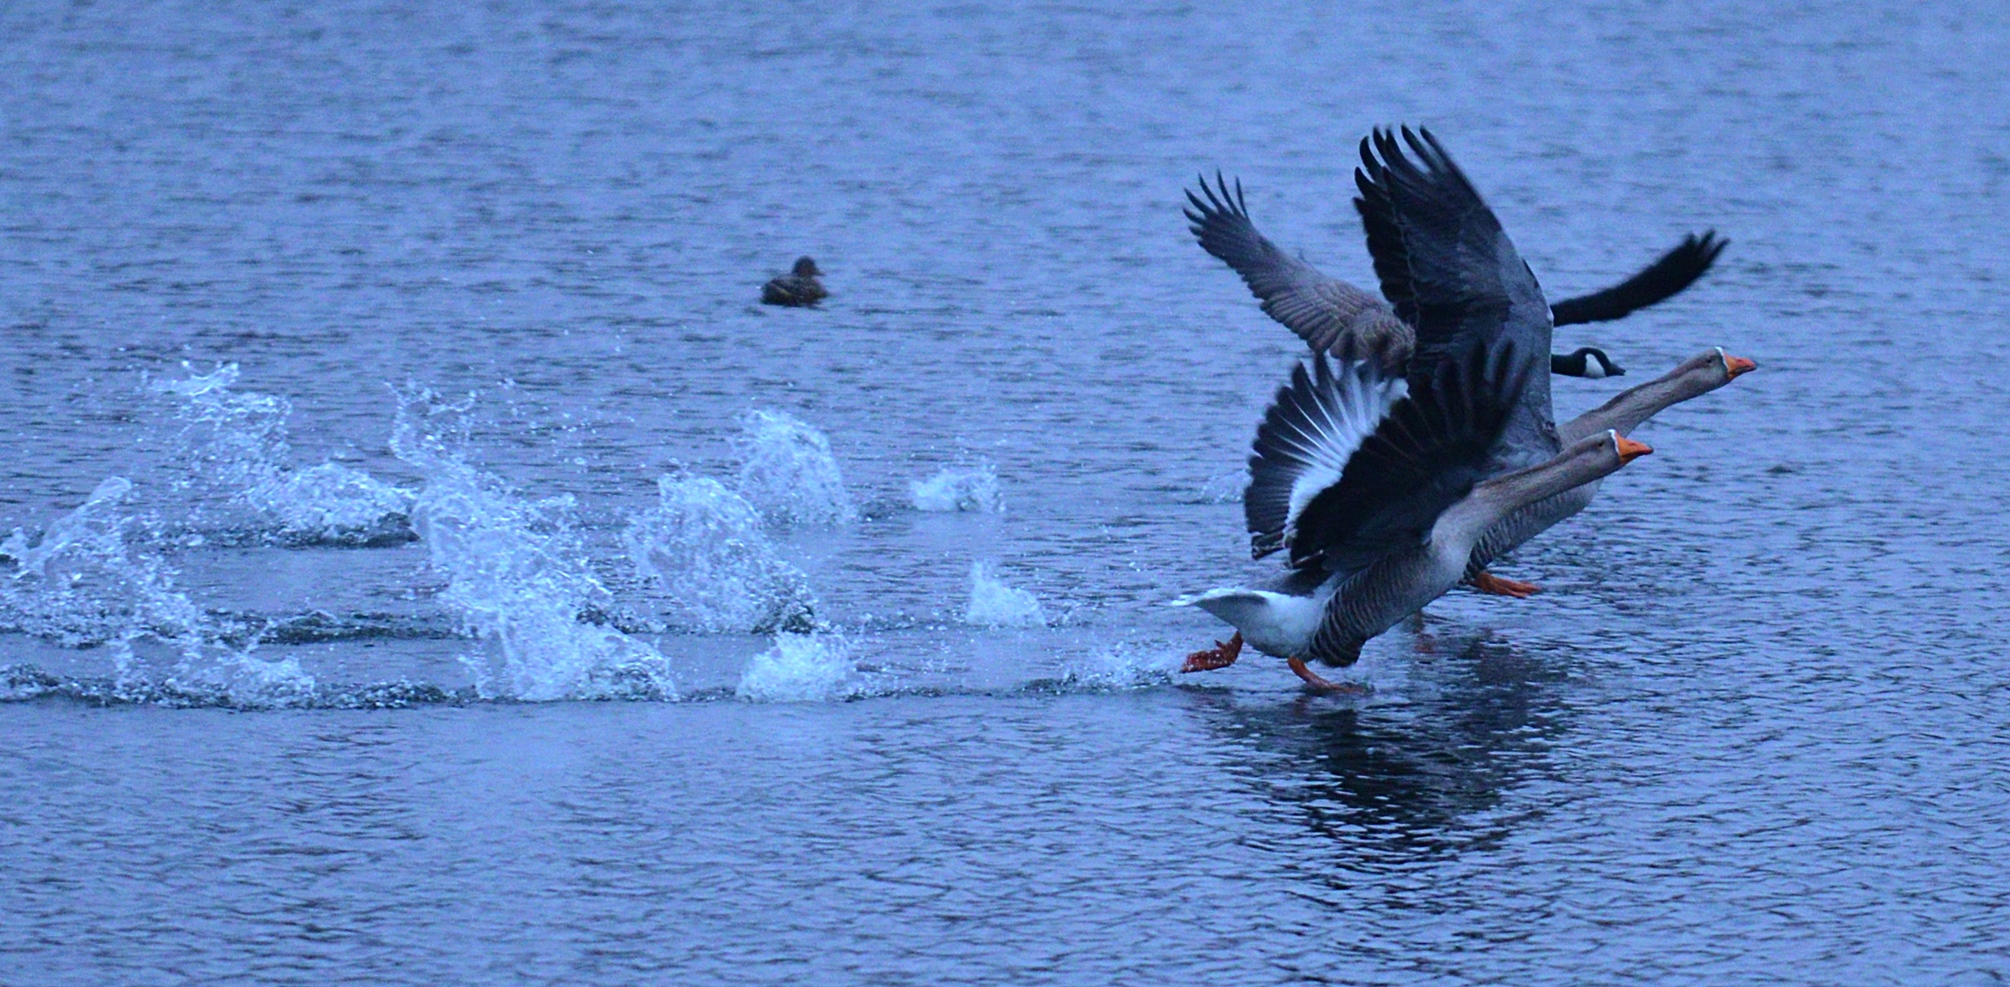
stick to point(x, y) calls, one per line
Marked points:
point(385, 383)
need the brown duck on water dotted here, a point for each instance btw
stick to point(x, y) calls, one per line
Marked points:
point(797, 289)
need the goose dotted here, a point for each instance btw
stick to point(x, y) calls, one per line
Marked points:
point(1699, 375)
point(1588, 362)
point(1376, 486)
point(797, 289)
point(1341, 319)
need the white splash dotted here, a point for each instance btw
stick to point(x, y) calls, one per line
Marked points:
point(81, 586)
point(1226, 488)
point(238, 442)
point(799, 668)
point(995, 604)
point(519, 577)
point(972, 488)
point(704, 546)
point(788, 473)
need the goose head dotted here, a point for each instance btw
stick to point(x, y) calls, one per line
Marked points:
point(806, 268)
point(1712, 368)
point(1588, 362)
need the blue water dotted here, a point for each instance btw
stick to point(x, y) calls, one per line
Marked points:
point(434, 567)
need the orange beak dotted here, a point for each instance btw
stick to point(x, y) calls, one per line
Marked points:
point(1735, 365)
point(1628, 449)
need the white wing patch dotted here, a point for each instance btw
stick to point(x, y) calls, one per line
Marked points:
point(1312, 428)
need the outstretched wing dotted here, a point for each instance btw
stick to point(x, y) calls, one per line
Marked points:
point(1450, 270)
point(1332, 316)
point(1425, 455)
point(1313, 426)
point(1665, 278)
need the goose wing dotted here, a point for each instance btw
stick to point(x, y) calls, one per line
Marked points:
point(1449, 270)
point(1331, 315)
point(1313, 426)
point(1424, 456)
point(1657, 282)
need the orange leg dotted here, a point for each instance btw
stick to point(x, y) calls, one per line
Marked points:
point(1222, 655)
point(1487, 582)
point(1323, 685)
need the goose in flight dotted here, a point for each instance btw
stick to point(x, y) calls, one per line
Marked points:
point(1377, 488)
point(1449, 271)
point(1336, 317)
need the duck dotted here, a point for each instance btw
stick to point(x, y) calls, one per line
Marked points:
point(1342, 320)
point(797, 289)
point(1377, 489)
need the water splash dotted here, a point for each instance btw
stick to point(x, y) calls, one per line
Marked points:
point(703, 545)
point(799, 668)
point(972, 488)
point(995, 604)
point(1226, 488)
point(788, 473)
point(81, 586)
point(237, 442)
point(518, 576)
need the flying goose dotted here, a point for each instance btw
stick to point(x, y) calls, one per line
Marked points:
point(797, 289)
point(1377, 488)
point(1338, 318)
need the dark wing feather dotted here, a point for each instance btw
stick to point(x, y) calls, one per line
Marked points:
point(1447, 265)
point(1426, 454)
point(1331, 315)
point(1676, 270)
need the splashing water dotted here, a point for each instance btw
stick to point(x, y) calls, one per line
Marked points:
point(971, 488)
point(799, 668)
point(518, 576)
point(1226, 488)
point(995, 604)
point(703, 545)
point(80, 586)
point(238, 442)
point(788, 473)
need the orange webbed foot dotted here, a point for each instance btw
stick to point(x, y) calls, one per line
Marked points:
point(1318, 684)
point(1222, 655)
point(1487, 582)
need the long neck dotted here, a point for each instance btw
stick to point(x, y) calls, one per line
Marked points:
point(1630, 407)
point(1583, 461)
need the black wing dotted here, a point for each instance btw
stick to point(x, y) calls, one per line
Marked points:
point(1331, 315)
point(1448, 267)
point(1427, 453)
point(1665, 278)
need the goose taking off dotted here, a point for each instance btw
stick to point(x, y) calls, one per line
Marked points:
point(1452, 275)
point(797, 289)
point(1376, 489)
point(1337, 318)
